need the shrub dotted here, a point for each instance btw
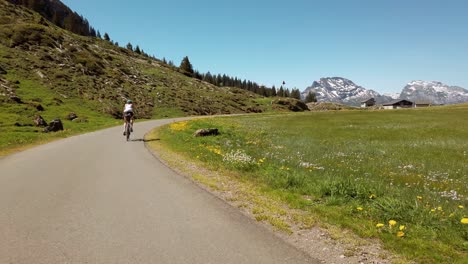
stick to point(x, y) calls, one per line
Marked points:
point(31, 34)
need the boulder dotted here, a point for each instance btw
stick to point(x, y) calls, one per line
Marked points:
point(254, 109)
point(206, 132)
point(36, 105)
point(39, 107)
point(16, 99)
point(71, 116)
point(289, 104)
point(54, 126)
point(39, 121)
point(80, 120)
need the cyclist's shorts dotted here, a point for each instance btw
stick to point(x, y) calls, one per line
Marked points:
point(128, 114)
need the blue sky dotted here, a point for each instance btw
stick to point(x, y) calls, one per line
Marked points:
point(380, 45)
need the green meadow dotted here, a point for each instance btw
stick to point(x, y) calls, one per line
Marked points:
point(17, 131)
point(396, 175)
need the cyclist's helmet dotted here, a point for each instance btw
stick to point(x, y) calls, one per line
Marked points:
point(129, 101)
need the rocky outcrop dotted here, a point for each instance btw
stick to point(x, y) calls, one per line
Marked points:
point(289, 104)
point(54, 126)
point(71, 116)
point(206, 132)
point(39, 121)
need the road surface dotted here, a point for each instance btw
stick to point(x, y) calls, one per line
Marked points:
point(95, 198)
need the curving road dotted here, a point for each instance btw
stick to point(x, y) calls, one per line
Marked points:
point(95, 198)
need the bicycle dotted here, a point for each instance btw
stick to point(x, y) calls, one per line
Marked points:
point(128, 125)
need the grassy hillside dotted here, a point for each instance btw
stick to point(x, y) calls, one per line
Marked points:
point(397, 175)
point(47, 71)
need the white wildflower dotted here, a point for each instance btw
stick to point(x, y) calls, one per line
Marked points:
point(238, 157)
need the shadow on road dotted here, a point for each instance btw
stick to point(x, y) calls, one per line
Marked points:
point(145, 140)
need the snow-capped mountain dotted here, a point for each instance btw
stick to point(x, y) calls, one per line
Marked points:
point(341, 90)
point(434, 92)
point(394, 96)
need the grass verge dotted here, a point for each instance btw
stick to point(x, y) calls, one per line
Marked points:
point(399, 176)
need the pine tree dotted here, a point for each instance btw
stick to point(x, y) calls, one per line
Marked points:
point(99, 34)
point(186, 66)
point(92, 32)
point(137, 49)
point(208, 78)
point(198, 75)
point(273, 91)
point(68, 23)
point(129, 46)
point(106, 36)
point(56, 19)
point(311, 97)
point(244, 84)
point(263, 91)
point(281, 92)
point(296, 94)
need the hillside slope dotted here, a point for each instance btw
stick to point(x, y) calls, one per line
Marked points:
point(99, 73)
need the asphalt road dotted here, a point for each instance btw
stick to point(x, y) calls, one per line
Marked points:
point(96, 198)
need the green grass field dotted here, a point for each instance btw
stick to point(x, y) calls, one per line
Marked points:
point(16, 120)
point(397, 175)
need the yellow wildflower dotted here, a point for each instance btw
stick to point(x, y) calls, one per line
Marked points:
point(359, 209)
point(419, 197)
point(372, 196)
point(432, 210)
point(379, 225)
point(464, 220)
point(402, 227)
point(451, 215)
point(400, 234)
point(461, 206)
point(392, 222)
point(439, 208)
point(179, 126)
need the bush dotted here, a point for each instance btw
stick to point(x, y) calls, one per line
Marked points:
point(91, 64)
point(30, 34)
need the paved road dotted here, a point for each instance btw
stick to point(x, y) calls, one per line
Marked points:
point(95, 198)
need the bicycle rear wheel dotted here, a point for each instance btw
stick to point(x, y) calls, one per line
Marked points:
point(127, 131)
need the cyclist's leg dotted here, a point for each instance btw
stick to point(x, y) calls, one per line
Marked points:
point(125, 123)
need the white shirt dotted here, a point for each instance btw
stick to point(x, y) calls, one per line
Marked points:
point(128, 108)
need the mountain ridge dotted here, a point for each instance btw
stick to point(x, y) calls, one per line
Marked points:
point(345, 91)
point(342, 90)
point(435, 92)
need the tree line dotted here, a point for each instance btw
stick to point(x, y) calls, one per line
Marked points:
point(59, 14)
point(228, 81)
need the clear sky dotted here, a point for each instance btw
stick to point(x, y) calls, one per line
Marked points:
point(378, 44)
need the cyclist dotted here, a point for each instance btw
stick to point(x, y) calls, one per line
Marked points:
point(128, 111)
